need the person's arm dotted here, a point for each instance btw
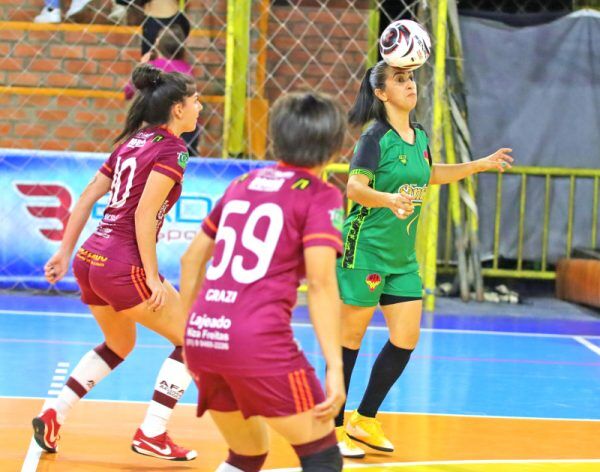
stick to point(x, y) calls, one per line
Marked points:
point(193, 267)
point(358, 191)
point(58, 264)
point(448, 173)
point(324, 310)
point(154, 195)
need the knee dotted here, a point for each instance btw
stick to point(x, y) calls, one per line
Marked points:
point(121, 347)
point(352, 337)
point(405, 340)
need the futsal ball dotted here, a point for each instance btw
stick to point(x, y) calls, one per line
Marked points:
point(405, 44)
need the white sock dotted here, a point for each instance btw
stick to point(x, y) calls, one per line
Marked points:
point(225, 467)
point(91, 369)
point(172, 381)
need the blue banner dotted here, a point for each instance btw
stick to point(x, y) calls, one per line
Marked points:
point(41, 188)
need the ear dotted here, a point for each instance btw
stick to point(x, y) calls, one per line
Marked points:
point(178, 110)
point(381, 95)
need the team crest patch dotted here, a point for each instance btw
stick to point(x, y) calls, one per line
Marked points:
point(373, 280)
point(337, 218)
point(403, 159)
point(182, 159)
point(426, 155)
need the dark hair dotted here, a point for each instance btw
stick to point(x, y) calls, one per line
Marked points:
point(170, 43)
point(157, 92)
point(367, 106)
point(307, 128)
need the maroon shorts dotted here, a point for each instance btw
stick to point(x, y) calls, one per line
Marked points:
point(105, 282)
point(270, 396)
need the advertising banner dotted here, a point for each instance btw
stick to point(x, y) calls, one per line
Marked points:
point(40, 188)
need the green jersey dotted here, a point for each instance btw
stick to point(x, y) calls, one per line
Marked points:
point(374, 238)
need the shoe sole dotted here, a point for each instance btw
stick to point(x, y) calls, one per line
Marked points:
point(351, 456)
point(144, 452)
point(39, 431)
point(377, 448)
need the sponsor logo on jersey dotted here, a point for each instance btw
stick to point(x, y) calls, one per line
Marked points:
point(243, 177)
point(337, 218)
point(263, 184)
point(426, 155)
point(223, 296)
point(373, 280)
point(182, 159)
point(300, 184)
point(414, 191)
point(136, 143)
point(403, 159)
point(205, 321)
point(91, 258)
point(158, 138)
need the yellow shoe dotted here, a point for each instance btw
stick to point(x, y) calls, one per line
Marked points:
point(368, 431)
point(347, 446)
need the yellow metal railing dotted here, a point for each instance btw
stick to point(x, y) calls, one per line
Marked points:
point(526, 173)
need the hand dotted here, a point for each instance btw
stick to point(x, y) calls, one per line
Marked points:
point(401, 205)
point(159, 293)
point(499, 161)
point(56, 267)
point(146, 57)
point(336, 395)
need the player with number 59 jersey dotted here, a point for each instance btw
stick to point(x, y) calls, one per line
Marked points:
point(272, 227)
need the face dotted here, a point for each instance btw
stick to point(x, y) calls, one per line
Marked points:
point(400, 90)
point(186, 112)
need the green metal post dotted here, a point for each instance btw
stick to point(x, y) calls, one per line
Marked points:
point(236, 76)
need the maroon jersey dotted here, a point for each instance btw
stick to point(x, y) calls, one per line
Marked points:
point(240, 322)
point(151, 149)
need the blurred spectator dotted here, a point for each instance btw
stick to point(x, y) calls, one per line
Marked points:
point(51, 12)
point(169, 55)
point(160, 14)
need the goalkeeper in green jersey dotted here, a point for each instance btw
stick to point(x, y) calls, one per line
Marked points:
point(389, 175)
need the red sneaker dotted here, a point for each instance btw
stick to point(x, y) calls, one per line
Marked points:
point(161, 446)
point(45, 430)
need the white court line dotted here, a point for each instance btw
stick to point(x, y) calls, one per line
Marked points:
point(61, 371)
point(58, 378)
point(421, 413)
point(308, 325)
point(592, 347)
point(32, 458)
point(56, 385)
point(34, 452)
point(463, 462)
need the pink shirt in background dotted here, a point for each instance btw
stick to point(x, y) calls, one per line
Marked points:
point(166, 65)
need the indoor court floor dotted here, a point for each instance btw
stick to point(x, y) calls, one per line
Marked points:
point(480, 394)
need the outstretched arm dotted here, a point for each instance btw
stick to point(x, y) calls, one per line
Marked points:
point(57, 266)
point(448, 173)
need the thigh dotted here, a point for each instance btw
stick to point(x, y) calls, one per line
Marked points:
point(355, 320)
point(169, 321)
point(302, 428)
point(119, 331)
point(244, 436)
point(404, 323)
